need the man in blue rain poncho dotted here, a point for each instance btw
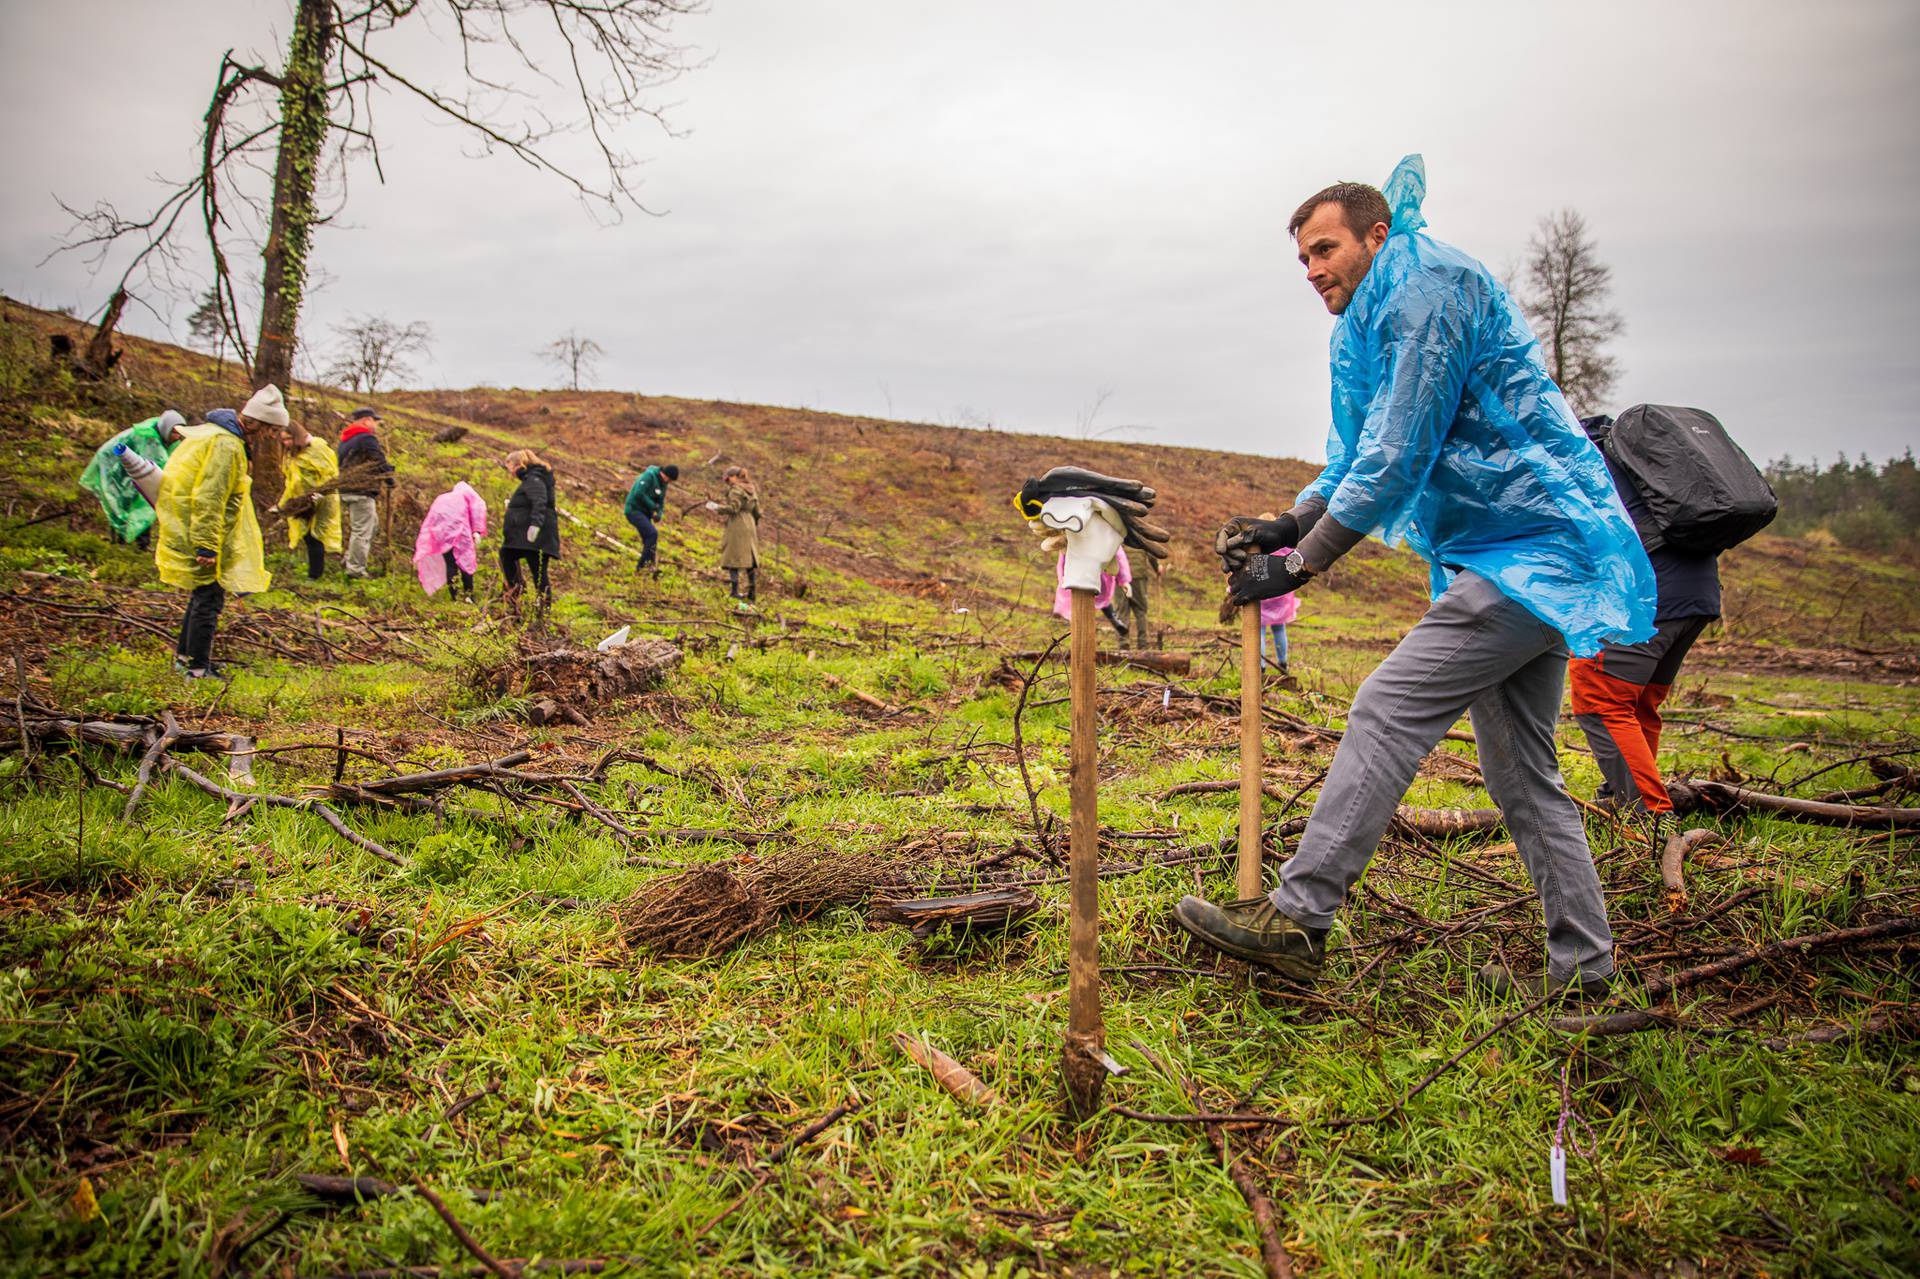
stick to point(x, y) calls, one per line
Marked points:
point(1447, 435)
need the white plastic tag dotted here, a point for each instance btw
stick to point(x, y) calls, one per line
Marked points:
point(1557, 1160)
point(1166, 698)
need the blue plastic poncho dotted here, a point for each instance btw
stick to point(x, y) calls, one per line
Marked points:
point(1449, 435)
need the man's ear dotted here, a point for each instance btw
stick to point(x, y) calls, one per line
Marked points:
point(1377, 235)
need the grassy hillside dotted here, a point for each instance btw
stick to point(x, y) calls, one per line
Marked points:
point(202, 1003)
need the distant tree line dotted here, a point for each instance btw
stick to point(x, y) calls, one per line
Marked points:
point(1867, 507)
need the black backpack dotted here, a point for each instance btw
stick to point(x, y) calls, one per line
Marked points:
point(1703, 492)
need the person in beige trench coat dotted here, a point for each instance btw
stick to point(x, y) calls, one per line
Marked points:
point(740, 540)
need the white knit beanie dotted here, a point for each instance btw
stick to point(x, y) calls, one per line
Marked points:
point(267, 406)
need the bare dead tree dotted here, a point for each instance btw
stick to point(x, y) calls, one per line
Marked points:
point(275, 146)
point(575, 355)
point(1564, 289)
point(371, 350)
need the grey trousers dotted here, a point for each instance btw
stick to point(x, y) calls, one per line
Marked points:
point(363, 521)
point(1480, 652)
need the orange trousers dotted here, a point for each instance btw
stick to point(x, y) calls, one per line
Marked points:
point(1627, 717)
point(1616, 700)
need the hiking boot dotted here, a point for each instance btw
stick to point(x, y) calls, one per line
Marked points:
point(209, 671)
point(1503, 983)
point(1256, 931)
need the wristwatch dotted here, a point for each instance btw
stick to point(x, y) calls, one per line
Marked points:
point(1296, 565)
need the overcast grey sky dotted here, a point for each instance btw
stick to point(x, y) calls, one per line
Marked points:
point(995, 211)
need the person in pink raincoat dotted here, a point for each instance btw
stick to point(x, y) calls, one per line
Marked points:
point(1118, 580)
point(1275, 613)
point(456, 520)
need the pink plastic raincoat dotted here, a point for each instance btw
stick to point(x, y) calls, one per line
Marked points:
point(1281, 609)
point(455, 520)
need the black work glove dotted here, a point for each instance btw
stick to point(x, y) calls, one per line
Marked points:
point(1261, 578)
point(1243, 535)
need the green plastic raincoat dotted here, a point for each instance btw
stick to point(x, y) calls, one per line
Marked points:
point(206, 501)
point(128, 514)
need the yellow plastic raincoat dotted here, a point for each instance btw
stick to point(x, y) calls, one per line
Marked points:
point(206, 501)
point(306, 471)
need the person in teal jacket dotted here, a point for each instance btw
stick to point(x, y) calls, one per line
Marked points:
point(130, 515)
point(1447, 435)
point(646, 503)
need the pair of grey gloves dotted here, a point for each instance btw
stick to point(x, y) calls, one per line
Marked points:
point(1247, 545)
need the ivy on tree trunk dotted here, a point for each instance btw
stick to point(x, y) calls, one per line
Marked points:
point(303, 132)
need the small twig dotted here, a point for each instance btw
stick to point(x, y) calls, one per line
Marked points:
point(1020, 745)
point(1275, 1121)
point(168, 735)
point(780, 1153)
point(467, 1241)
point(1273, 1253)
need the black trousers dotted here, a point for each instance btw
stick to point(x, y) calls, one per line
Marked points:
point(316, 557)
point(454, 570)
point(536, 561)
point(196, 632)
point(733, 581)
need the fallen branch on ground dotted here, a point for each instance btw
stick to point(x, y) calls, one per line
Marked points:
point(1634, 1019)
point(1673, 858)
point(997, 909)
point(1273, 1253)
point(1142, 659)
point(1725, 797)
point(467, 1241)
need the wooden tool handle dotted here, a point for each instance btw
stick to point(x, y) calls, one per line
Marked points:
point(1080, 1063)
point(1249, 878)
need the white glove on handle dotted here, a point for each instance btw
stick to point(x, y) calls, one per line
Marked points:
point(1093, 531)
point(533, 535)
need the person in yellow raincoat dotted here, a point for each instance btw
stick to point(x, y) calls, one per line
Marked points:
point(207, 540)
point(311, 507)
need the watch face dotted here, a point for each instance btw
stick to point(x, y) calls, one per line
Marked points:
point(1295, 562)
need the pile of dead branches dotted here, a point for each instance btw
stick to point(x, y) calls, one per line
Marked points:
point(160, 741)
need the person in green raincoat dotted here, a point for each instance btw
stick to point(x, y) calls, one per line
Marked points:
point(209, 540)
point(129, 515)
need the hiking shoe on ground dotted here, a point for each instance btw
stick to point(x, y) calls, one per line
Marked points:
point(204, 672)
point(1256, 931)
point(1500, 981)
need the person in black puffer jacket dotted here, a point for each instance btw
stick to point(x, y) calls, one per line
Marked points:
point(532, 532)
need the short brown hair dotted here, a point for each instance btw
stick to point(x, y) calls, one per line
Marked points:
point(1364, 204)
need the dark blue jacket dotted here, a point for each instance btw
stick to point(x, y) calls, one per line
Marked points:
point(1688, 584)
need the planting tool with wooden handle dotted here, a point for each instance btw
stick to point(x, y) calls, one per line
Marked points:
point(1090, 530)
point(1250, 853)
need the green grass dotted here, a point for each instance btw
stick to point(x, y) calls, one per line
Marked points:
point(192, 1007)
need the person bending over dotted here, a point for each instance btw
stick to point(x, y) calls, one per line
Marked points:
point(1617, 692)
point(646, 503)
